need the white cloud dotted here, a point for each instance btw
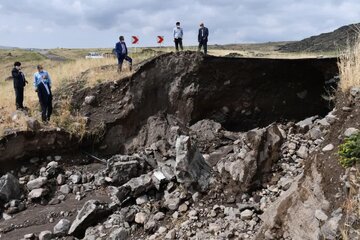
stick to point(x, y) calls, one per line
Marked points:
point(93, 23)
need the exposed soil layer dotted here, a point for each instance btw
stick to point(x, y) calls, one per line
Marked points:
point(239, 93)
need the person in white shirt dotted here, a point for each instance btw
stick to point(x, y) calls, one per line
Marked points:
point(178, 36)
point(42, 85)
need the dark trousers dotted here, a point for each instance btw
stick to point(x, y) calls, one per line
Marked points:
point(178, 41)
point(121, 59)
point(46, 108)
point(203, 44)
point(19, 97)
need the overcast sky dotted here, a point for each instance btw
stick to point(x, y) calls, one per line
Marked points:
point(98, 23)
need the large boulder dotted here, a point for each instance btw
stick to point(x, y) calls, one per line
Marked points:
point(9, 187)
point(191, 167)
point(122, 168)
point(253, 158)
point(90, 214)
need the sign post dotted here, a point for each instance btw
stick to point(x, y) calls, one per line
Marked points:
point(135, 40)
point(160, 39)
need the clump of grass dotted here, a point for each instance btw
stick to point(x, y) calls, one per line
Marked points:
point(73, 123)
point(349, 151)
point(349, 65)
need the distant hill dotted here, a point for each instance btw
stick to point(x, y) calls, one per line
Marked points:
point(324, 42)
point(6, 47)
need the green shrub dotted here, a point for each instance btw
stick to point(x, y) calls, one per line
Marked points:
point(349, 151)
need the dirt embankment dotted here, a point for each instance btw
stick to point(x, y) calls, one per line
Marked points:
point(239, 93)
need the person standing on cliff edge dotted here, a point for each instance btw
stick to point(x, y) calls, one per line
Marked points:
point(178, 36)
point(203, 37)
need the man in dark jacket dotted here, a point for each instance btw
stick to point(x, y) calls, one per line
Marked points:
point(19, 84)
point(42, 84)
point(122, 53)
point(203, 37)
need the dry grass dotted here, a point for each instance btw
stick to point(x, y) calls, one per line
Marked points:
point(349, 66)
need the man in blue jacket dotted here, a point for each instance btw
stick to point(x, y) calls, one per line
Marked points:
point(42, 84)
point(203, 37)
point(19, 84)
point(122, 53)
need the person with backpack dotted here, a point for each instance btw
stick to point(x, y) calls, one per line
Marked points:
point(19, 84)
point(122, 54)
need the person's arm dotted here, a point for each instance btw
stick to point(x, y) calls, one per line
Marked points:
point(49, 79)
point(207, 33)
point(117, 50)
point(182, 33)
point(199, 35)
point(35, 81)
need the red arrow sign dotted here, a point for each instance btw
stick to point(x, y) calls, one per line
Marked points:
point(160, 39)
point(135, 39)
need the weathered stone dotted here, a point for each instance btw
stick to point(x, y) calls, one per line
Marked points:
point(122, 168)
point(45, 235)
point(89, 100)
point(158, 179)
point(141, 217)
point(9, 187)
point(91, 213)
point(159, 216)
point(328, 148)
point(171, 235)
point(142, 199)
point(306, 123)
point(315, 133)
point(62, 227)
point(32, 124)
point(119, 234)
point(246, 214)
point(65, 189)
point(36, 183)
point(303, 152)
point(172, 200)
point(75, 178)
point(140, 184)
point(38, 193)
point(191, 167)
point(183, 208)
point(60, 179)
point(350, 131)
point(319, 214)
point(30, 236)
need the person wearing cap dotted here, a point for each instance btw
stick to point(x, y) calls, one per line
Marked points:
point(203, 37)
point(178, 36)
point(19, 84)
point(122, 53)
point(42, 85)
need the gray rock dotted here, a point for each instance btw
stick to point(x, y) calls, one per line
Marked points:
point(306, 123)
point(141, 217)
point(159, 216)
point(292, 146)
point(119, 234)
point(140, 185)
point(329, 229)
point(36, 183)
point(315, 133)
point(158, 179)
point(75, 178)
point(32, 124)
point(57, 158)
point(350, 131)
point(246, 214)
point(91, 213)
point(323, 122)
point(9, 187)
point(60, 179)
point(328, 148)
point(45, 235)
point(354, 91)
point(65, 189)
point(191, 167)
point(122, 168)
point(62, 227)
point(29, 236)
point(142, 199)
point(38, 193)
point(89, 100)
point(303, 152)
point(320, 215)
point(171, 235)
point(172, 200)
